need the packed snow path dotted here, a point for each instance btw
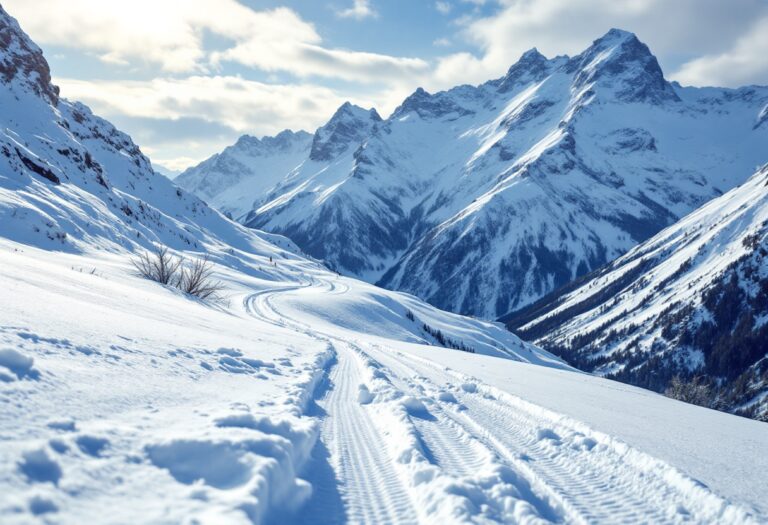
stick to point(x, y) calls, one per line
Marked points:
point(372, 491)
point(405, 440)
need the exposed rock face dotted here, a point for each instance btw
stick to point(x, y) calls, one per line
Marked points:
point(348, 126)
point(22, 62)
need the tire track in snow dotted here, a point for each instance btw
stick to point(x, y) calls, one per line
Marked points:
point(451, 448)
point(454, 450)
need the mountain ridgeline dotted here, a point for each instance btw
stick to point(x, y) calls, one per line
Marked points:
point(71, 182)
point(686, 309)
point(483, 199)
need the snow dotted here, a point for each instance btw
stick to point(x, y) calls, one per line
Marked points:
point(300, 396)
point(310, 414)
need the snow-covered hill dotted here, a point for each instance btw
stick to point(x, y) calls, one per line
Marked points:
point(691, 301)
point(483, 199)
point(319, 401)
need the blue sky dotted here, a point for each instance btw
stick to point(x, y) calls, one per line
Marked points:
point(187, 77)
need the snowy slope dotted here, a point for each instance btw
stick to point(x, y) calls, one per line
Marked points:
point(312, 398)
point(237, 179)
point(691, 301)
point(483, 199)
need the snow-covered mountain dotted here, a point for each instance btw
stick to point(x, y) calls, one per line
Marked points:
point(235, 180)
point(70, 181)
point(691, 301)
point(483, 199)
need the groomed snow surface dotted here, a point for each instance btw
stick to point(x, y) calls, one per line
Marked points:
point(306, 397)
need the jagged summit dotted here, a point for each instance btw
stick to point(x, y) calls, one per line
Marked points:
point(437, 105)
point(617, 36)
point(22, 64)
point(348, 126)
point(622, 64)
point(270, 144)
point(532, 67)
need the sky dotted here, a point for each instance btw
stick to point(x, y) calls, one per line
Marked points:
point(185, 78)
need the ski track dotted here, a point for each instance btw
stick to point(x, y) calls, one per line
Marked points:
point(457, 452)
point(372, 490)
point(591, 487)
point(573, 477)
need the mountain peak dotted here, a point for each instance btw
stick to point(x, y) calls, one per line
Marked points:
point(22, 64)
point(620, 62)
point(531, 67)
point(427, 105)
point(349, 125)
point(247, 141)
point(267, 145)
point(532, 55)
point(617, 46)
point(616, 36)
point(347, 109)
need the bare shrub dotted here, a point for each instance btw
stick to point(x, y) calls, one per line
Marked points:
point(158, 265)
point(197, 279)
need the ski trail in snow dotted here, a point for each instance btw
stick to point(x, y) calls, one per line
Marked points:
point(447, 444)
point(571, 474)
point(595, 483)
point(370, 487)
point(367, 483)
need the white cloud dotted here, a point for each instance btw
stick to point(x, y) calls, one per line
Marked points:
point(443, 7)
point(164, 32)
point(746, 62)
point(171, 33)
point(442, 42)
point(306, 59)
point(569, 26)
point(161, 112)
point(360, 9)
point(243, 105)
